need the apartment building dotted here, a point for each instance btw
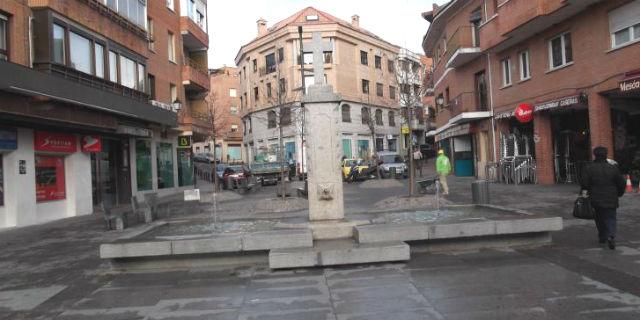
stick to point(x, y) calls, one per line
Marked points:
point(89, 112)
point(547, 80)
point(358, 64)
point(224, 100)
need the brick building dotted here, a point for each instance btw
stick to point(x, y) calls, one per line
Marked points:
point(358, 64)
point(90, 112)
point(569, 66)
point(225, 100)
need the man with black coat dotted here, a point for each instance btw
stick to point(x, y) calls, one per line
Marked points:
point(604, 185)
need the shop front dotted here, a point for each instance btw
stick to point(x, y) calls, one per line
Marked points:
point(550, 138)
point(458, 144)
point(625, 116)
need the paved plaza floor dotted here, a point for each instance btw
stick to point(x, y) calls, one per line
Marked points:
point(52, 271)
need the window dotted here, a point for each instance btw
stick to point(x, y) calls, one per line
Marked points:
point(233, 109)
point(379, 143)
point(255, 94)
point(392, 92)
point(392, 144)
point(244, 72)
point(525, 68)
point(481, 91)
point(379, 89)
point(280, 55)
point(560, 51)
point(4, 36)
point(309, 81)
point(233, 93)
point(173, 91)
point(378, 62)
point(285, 116)
point(133, 10)
point(271, 119)
point(171, 46)
point(391, 66)
point(282, 85)
point(363, 58)
point(164, 161)
point(392, 119)
point(99, 54)
point(113, 66)
point(255, 65)
point(307, 58)
point(234, 128)
point(379, 117)
point(185, 167)
point(346, 113)
point(141, 77)
point(152, 86)
point(328, 57)
point(365, 116)
point(170, 4)
point(58, 44)
point(152, 44)
point(270, 62)
point(269, 90)
point(624, 24)
point(365, 86)
point(80, 52)
point(506, 72)
point(242, 102)
point(127, 72)
point(50, 178)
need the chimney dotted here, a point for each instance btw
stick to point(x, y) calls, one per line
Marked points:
point(355, 21)
point(262, 27)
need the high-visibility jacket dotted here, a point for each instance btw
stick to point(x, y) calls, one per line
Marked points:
point(443, 166)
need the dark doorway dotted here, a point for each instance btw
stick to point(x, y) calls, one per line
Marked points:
point(110, 173)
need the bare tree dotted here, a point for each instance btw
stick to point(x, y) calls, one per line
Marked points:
point(409, 74)
point(218, 119)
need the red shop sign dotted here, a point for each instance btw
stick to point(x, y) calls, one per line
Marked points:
point(91, 144)
point(524, 112)
point(55, 142)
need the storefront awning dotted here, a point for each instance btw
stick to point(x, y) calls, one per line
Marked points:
point(469, 117)
point(430, 133)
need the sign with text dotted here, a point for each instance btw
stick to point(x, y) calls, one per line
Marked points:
point(405, 129)
point(630, 85)
point(54, 142)
point(524, 113)
point(553, 104)
point(91, 144)
point(184, 141)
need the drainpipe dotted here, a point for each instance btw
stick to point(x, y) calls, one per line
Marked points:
point(493, 121)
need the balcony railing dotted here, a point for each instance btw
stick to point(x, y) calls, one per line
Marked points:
point(92, 81)
point(464, 102)
point(196, 74)
point(462, 38)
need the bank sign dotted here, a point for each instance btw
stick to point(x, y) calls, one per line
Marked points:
point(630, 85)
point(54, 142)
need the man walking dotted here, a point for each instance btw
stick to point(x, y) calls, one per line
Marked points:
point(604, 184)
point(443, 168)
point(417, 159)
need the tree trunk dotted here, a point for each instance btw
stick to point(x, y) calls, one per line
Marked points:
point(281, 147)
point(411, 164)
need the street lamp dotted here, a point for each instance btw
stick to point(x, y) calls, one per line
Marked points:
point(440, 101)
point(177, 105)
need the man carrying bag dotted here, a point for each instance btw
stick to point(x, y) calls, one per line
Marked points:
point(604, 184)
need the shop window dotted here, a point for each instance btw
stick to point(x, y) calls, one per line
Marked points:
point(346, 113)
point(560, 51)
point(525, 67)
point(50, 179)
point(392, 119)
point(143, 165)
point(58, 44)
point(4, 36)
point(164, 156)
point(506, 72)
point(624, 24)
point(185, 167)
point(363, 149)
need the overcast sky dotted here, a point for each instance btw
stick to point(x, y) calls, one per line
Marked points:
point(232, 23)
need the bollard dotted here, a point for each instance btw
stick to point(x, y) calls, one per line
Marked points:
point(480, 192)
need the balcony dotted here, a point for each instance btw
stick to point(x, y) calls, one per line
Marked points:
point(194, 38)
point(64, 85)
point(462, 47)
point(464, 108)
point(520, 19)
point(195, 77)
point(195, 122)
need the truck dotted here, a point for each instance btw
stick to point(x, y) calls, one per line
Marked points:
point(267, 172)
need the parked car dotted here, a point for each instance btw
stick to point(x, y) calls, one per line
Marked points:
point(428, 151)
point(346, 167)
point(231, 175)
point(392, 160)
point(205, 157)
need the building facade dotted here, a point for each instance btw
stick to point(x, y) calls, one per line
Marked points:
point(224, 102)
point(87, 115)
point(537, 83)
point(358, 65)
